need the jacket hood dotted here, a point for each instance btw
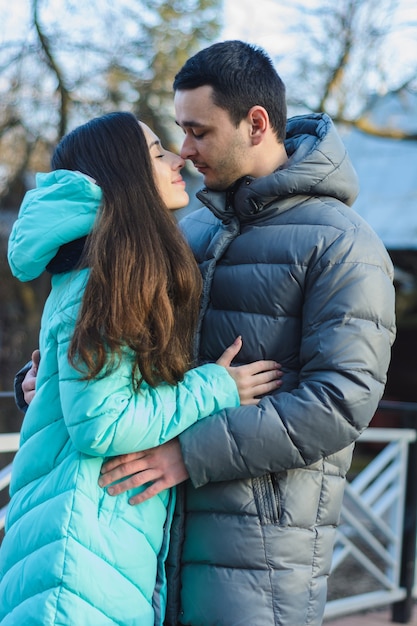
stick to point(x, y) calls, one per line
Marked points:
point(318, 164)
point(61, 209)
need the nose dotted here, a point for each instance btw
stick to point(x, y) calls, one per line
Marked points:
point(187, 149)
point(177, 162)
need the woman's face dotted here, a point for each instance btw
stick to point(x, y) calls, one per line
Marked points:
point(167, 167)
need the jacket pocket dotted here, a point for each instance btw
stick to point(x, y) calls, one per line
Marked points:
point(267, 498)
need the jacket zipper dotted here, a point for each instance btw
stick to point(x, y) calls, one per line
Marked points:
point(267, 499)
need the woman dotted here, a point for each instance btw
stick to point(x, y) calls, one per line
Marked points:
point(115, 376)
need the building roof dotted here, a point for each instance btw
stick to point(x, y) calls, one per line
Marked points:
point(387, 170)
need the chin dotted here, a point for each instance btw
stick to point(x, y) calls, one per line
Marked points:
point(180, 203)
point(216, 184)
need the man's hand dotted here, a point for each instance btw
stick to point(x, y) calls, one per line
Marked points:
point(29, 381)
point(162, 466)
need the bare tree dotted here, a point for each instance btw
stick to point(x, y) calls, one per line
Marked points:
point(83, 61)
point(344, 60)
point(62, 70)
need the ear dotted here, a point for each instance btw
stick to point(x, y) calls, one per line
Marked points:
point(258, 119)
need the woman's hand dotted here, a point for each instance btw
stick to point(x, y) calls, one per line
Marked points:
point(29, 381)
point(252, 380)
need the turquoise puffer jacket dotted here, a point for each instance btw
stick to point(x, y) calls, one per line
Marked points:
point(72, 554)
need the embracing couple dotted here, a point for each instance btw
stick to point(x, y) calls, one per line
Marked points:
point(136, 391)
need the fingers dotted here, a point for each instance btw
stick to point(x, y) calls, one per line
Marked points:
point(229, 354)
point(261, 390)
point(137, 478)
point(249, 380)
point(261, 366)
point(116, 461)
point(270, 376)
point(121, 469)
point(248, 377)
point(252, 387)
point(28, 396)
point(253, 394)
point(36, 357)
point(28, 386)
point(28, 383)
point(133, 482)
point(151, 491)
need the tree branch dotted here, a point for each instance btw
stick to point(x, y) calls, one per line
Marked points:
point(63, 91)
point(365, 125)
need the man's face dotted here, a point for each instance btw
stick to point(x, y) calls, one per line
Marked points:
point(219, 150)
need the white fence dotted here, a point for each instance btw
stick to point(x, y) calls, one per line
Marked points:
point(369, 544)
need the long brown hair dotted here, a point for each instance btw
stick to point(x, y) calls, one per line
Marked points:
point(144, 285)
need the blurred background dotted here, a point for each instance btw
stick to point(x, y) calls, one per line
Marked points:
point(63, 62)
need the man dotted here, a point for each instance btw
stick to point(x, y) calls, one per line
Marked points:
point(305, 281)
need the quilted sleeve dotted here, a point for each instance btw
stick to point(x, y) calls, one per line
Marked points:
point(105, 417)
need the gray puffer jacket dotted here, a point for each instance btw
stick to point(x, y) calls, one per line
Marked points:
point(295, 271)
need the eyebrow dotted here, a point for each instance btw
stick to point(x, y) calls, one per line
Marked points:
point(190, 123)
point(154, 143)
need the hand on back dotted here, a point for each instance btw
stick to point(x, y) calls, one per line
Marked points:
point(29, 381)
